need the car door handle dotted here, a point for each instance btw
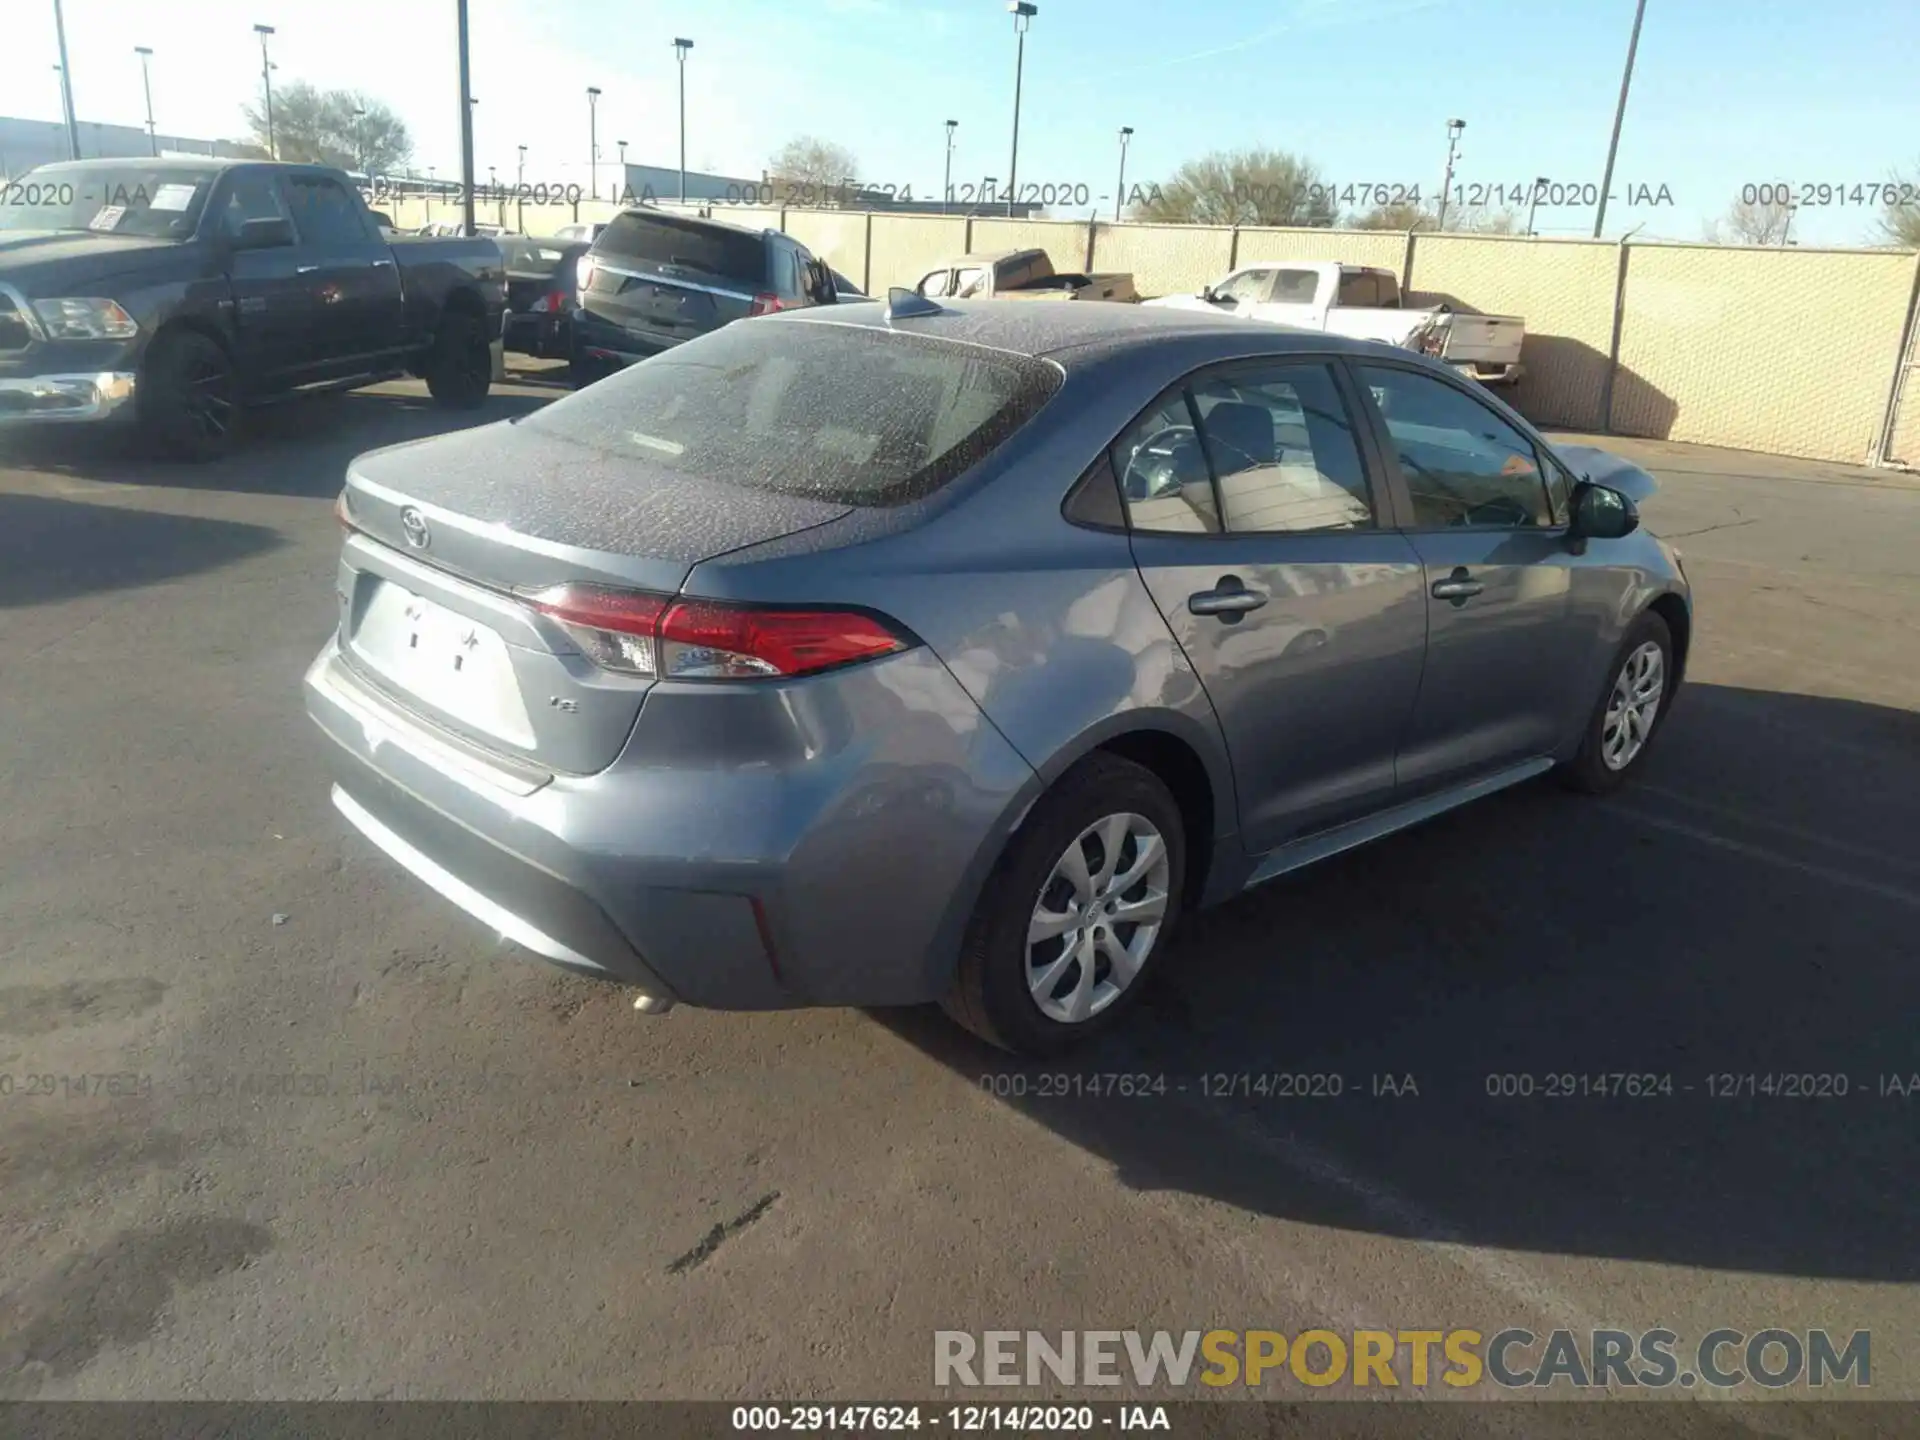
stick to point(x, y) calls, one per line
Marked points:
point(305, 269)
point(383, 264)
point(1458, 587)
point(1229, 599)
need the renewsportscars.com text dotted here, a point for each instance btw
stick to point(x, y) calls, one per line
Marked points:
point(1512, 1359)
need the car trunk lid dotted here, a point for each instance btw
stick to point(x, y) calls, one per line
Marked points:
point(451, 537)
point(1483, 339)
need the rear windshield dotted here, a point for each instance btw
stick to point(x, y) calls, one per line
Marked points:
point(532, 257)
point(832, 412)
point(667, 240)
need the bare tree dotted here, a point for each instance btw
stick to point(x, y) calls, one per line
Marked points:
point(810, 171)
point(1403, 215)
point(1900, 220)
point(1751, 223)
point(1242, 187)
point(342, 128)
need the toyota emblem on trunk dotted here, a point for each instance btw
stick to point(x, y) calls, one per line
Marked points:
point(414, 526)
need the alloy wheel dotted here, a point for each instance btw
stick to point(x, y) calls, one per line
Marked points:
point(1097, 917)
point(1633, 706)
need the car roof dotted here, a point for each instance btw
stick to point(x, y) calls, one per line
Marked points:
point(154, 162)
point(652, 213)
point(1080, 329)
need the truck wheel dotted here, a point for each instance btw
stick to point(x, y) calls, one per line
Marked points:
point(1079, 907)
point(186, 400)
point(459, 368)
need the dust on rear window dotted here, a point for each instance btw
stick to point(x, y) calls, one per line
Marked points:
point(665, 240)
point(831, 412)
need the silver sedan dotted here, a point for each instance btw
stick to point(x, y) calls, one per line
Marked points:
point(899, 652)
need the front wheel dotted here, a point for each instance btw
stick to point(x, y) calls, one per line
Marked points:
point(1624, 723)
point(187, 399)
point(1080, 905)
point(459, 367)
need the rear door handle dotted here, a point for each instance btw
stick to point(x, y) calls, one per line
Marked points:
point(383, 264)
point(1459, 587)
point(305, 269)
point(1229, 599)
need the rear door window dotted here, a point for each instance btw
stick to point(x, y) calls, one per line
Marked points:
point(1294, 287)
point(835, 412)
point(1359, 291)
point(735, 259)
point(1283, 449)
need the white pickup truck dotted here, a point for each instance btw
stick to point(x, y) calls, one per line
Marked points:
point(1363, 301)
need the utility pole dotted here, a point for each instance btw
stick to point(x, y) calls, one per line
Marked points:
point(1023, 12)
point(466, 124)
point(266, 82)
point(1534, 203)
point(681, 47)
point(1454, 127)
point(946, 185)
point(1119, 194)
point(146, 84)
point(593, 139)
point(66, 85)
point(1619, 114)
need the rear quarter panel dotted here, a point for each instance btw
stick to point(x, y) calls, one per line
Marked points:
point(434, 267)
point(1047, 626)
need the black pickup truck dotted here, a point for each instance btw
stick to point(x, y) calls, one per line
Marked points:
point(176, 293)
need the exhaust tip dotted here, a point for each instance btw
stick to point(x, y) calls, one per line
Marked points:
point(652, 1004)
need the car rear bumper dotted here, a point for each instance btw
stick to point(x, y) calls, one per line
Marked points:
point(42, 399)
point(599, 339)
point(838, 868)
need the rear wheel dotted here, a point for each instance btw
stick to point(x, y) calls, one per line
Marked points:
point(1080, 905)
point(187, 399)
point(459, 368)
point(1624, 723)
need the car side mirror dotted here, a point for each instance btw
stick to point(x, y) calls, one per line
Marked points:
point(1601, 514)
point(266, 232)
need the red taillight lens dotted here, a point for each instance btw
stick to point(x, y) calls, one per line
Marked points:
point(342, 513)
point(706, 640)
point(766, 305)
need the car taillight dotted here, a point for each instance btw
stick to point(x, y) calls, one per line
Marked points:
point(342, 513)
point(649, 635)
point(583, 271)
point(766, 304)
point(554, 302)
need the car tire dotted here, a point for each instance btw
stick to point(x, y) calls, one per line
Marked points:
point(459, 365)
point(1004, 973)
point(1631, 710)
point(188, 401)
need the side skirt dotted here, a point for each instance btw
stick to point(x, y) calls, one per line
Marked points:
point(1297, 854)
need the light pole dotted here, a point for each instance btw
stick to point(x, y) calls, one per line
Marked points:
point(1454, 127)
point(1126, 134)
point(358, 115)
point(593, 139)
point(1619, 114)
point(266, 86)
point(66, 85)
point(1787, 229)
point(1534, 203)
point(1023, 12)
point(466, 123)
point(680, 49)
point(946, 185)
point(146, 83)
point(624, 188)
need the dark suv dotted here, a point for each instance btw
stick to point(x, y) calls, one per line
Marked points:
point(653, 280)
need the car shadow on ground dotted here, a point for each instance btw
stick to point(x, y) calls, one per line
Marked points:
point(54, 548)
point(1744, 911)
point(299, 448)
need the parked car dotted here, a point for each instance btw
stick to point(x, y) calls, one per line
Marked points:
point(1364, 301)
point(655, 280)
point(913, 653)
point(177, 292)
point(1019, 275)
point(586, 232)
point(542, 275)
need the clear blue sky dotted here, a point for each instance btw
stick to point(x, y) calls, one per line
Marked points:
point(1725, 92)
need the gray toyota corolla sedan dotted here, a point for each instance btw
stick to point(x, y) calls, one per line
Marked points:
point(896, 652)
